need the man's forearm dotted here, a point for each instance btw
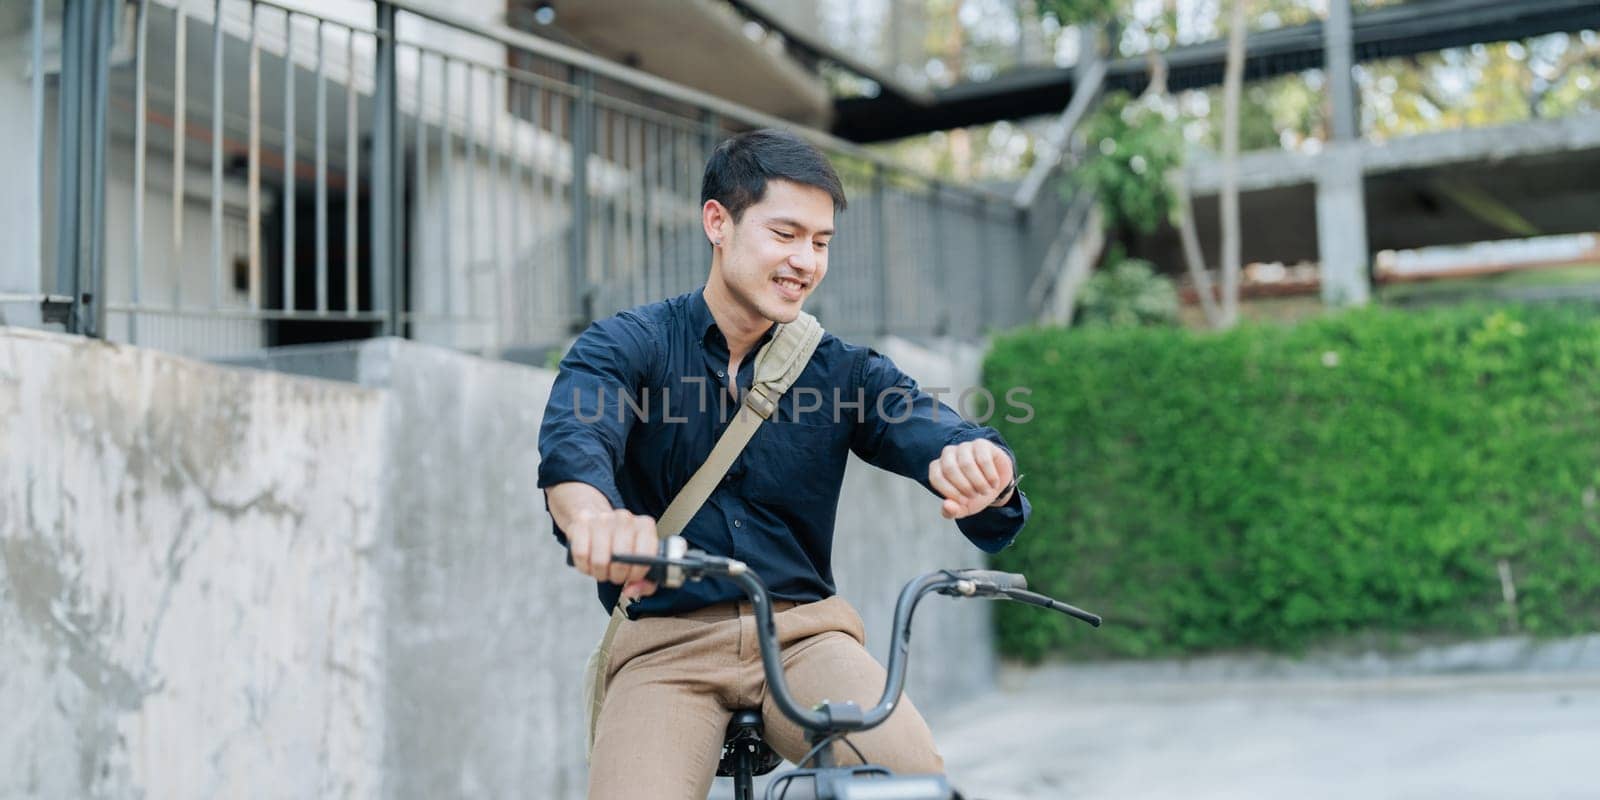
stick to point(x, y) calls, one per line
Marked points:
point(572, 499)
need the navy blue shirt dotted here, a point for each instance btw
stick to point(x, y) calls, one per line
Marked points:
point(642, 396)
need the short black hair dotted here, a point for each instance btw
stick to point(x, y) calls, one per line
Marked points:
point(738, 170)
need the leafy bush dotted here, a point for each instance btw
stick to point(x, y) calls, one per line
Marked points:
point(1127, 293)
point(1268, 487)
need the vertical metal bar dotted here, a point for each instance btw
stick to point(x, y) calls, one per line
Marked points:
point(253, 191)
point(322, 171)
point(650, 170)
point(69, 159)
point(942, 294)
point(399, 285)
point(516, 277)
point(545, 249)
point(104, 24)
point(216, 154)
point(495, 190)
point(421, 195)
point(552, 196)
point(141, 61)
point(352, 179)
point(383, 169)
point(514, 152)
point(985, 291)
point(447, 146)
point(636, 260)
point(582, 133)
point(38, 122)
point(289, 141)
point(471, 190)
point(180, 136)
point(536, 213)
point(610, 210)
point(881, 239)
point(683, 242)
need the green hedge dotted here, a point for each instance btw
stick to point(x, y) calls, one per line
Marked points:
point(1273, 486)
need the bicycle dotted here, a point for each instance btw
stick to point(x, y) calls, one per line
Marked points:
point(746, 755)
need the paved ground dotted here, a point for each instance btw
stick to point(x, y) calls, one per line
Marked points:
point(1056, 733)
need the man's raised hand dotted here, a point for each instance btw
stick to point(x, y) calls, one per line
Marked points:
point(971, 476)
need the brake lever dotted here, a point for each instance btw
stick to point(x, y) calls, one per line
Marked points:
point(677, 564)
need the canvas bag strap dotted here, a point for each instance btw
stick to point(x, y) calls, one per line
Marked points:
point(778, 366)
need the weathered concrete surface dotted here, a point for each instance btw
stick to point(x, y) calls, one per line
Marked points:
point(487, 629)
point(189, 606)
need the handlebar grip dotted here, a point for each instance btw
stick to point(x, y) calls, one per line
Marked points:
point(1000, 581)
point(668, 577)
point(661, 573)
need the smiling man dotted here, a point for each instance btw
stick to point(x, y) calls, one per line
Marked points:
point(639, 401)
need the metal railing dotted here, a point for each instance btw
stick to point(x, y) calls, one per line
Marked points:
point(236, 174)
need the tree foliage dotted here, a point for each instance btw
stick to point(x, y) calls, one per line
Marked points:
point(1132, 144)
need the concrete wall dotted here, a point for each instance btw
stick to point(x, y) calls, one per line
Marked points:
point(371, 600)
point(189, 601)
point(889, 531)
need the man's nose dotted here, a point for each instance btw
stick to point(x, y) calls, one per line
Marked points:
point(805, 259)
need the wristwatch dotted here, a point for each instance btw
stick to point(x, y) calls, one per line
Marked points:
point(1006, 492)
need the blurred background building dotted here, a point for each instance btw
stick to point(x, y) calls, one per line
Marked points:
point(534, 163)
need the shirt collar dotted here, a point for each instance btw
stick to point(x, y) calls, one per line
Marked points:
point(706, 325)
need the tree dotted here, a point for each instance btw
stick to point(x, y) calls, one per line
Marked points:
point(1232, 83)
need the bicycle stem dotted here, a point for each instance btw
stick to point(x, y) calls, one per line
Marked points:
point(836, 718)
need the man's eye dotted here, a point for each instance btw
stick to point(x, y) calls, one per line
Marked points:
point(784, 235)
point(822, 245)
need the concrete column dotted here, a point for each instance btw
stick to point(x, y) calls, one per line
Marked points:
point(1341, 201)
point(1338, 55)
point(1342, 227)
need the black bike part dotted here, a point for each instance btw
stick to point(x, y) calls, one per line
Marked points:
point(823, 721)
point(745, 752)
point(1041, 601)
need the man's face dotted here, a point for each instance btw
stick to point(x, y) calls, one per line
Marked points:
point(776, 254)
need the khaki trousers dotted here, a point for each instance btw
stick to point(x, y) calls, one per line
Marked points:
point(674, 683)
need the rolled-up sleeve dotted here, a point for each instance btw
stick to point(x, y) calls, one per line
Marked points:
point(586, 421)
point(905, 429)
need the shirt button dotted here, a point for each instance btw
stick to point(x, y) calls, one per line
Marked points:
point(721, 374)
point(737, 523)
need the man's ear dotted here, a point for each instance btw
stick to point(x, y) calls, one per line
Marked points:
point(716, 220)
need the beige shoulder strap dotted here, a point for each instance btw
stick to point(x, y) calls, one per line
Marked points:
point(778, 365)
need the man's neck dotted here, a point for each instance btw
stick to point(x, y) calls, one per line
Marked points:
point(741, 327)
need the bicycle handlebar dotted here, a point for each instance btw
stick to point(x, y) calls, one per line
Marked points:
point(679, 564)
